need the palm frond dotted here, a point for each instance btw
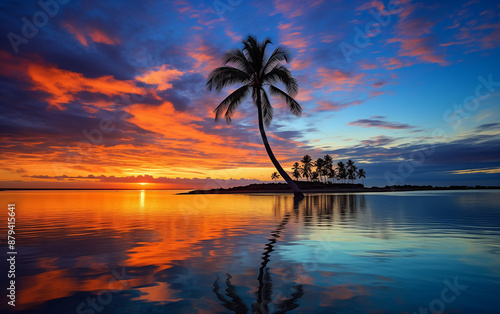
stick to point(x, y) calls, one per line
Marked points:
point(281, 53)
point(263, 54)
point(280, 73)
point(295, 108)
point(251, 51)
point(237, 57)
point(231, 103)
point(267, 109)
point(226, 76)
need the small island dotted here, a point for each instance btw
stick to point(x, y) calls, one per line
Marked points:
point(319, 187)
point(322, 176)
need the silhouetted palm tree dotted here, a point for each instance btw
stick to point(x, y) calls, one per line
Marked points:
point(331, 173)
point(307, 166)
point(275, 176)
point(327, 167)
point(252, 68)
point(349, 164)
point(362, 175)
point(352, 173)
point(320, 164)
point(351, 170)
point(341, 172)
point(315, 176)
point(296, 171)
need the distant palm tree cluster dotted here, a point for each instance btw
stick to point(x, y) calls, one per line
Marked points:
point(323, 170)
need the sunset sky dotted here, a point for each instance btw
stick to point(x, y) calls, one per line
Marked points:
point(110, 94)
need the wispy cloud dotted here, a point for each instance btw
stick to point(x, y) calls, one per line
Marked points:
point(379, 140)
point(472, 171)
point(381, 123)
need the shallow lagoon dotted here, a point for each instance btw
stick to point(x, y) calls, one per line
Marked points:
point(157, 252)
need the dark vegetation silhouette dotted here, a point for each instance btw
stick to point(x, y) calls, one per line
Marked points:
point(256, 70)
point(323, 170)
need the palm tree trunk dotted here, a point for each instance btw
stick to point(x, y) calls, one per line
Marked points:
point(296, 191)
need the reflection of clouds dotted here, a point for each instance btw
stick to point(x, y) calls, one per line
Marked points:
point(330, 295)
point(332, 250)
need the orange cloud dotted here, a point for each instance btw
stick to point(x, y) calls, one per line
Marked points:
point(300, 64)
point(80, 36)
point(379, 5)
point(62, 85)
point(420, 48)
point(234, 36)
point(328, 105)
point(291, 9)
point(207, 58)
point(100, 37)
point(337, 79)
point(296, 40)
point(304, 95)
point(368, 66)
point(393, 63)
point(160, 76)
point(376, 93)
point(328, 38)
point(94, 34)
point(284, 26)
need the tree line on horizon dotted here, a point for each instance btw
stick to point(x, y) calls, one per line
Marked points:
point(323, 170)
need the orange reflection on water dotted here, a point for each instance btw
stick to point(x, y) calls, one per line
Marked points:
point(148, 233)
point(143, 228)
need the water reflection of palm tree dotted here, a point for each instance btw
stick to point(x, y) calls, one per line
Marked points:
point(265, 290)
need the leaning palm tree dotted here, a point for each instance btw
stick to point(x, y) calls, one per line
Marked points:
point(255, 71)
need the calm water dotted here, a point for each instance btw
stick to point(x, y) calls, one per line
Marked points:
point(157, 252)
